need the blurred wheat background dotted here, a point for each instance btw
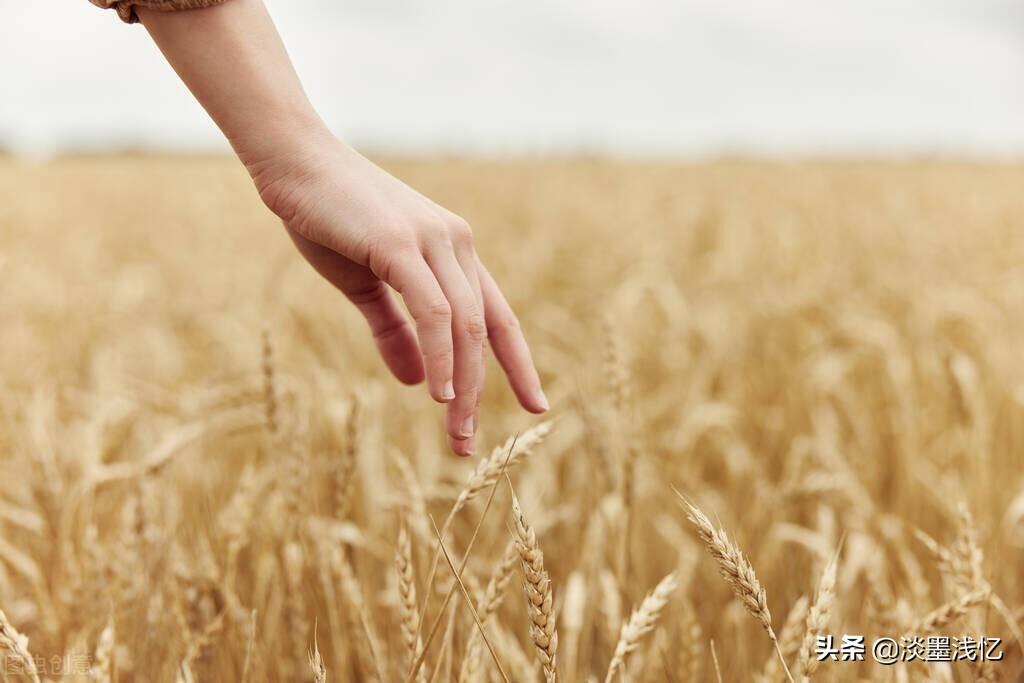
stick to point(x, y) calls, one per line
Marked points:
point(209, 476)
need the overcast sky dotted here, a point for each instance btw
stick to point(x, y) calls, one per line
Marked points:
point(647, 76)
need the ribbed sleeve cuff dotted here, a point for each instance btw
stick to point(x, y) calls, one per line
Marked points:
point(126, 8)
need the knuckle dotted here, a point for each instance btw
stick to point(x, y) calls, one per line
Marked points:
point(475, 327)
point(433, 231)
point(461, 233)
point(384, 266)
point(438, 310)
point(387, 255)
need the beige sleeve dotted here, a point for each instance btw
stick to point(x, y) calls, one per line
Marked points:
point(126, 8)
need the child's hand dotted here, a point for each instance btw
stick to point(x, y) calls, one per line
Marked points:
point(363, 229)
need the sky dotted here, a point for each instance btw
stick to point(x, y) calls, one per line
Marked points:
point(647, 77)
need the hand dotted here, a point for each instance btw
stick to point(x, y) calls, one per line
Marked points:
point(367, 233)
point(362, 229)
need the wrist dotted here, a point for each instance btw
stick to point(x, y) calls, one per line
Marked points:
point(279, 138)
point(282, 161)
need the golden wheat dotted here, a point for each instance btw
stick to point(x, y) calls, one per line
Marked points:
point(825, 353)
point(488, 604)
point(817, 618)
point(409, 610)
point(539, 599)
point(737, 572)
point(641, 622)
point(15, 645)
point(946, 614)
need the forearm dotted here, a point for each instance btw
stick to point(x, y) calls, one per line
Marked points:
point(234, 62)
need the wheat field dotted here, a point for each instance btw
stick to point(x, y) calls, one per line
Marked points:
point(788, 402)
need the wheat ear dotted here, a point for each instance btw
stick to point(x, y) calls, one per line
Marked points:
point(948, 613)
point(501, 459)
point(103, 669)
point(270, 407)
point(817, 618)
point(963, 563)
point(690, 636)
point(641, 622)
point(451, 591)
point(737, 572)
point(485, 475)
point(409, 616)
point(16, 645)
point(540, 603)
point(344, 473)
point(316, 663)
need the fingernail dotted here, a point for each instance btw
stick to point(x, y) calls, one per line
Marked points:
point(467, 427)
point(448, 393)
point(471, 445)
point(542, 400)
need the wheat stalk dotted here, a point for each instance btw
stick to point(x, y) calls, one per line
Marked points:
point(610, 604)
point(197, 641)
point(733, 566)
point(521, 665)
point(948, 613)
point(316, 664)
point(250, 647)
point(963, 564)
point(690, 652)
point(501, 459)
point(488, 604)
point(354, 595)
point(451, 591)
point(16, 645)
point(486, 475)
point(615, 369)
point(446, 645)
point(791, 637)
point(344, 466)
point(817, 618)
point(469, 601)
point(103, 668)
point(409, 616)
point(539, 600)
point(415, 503)
point(294, 563)
point(714, 659)
point(641, 622)
point(617, 374)
point(270, 402)
point(737, 572)
point(573, 617)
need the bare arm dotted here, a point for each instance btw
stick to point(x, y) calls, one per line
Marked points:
point(362, 229)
